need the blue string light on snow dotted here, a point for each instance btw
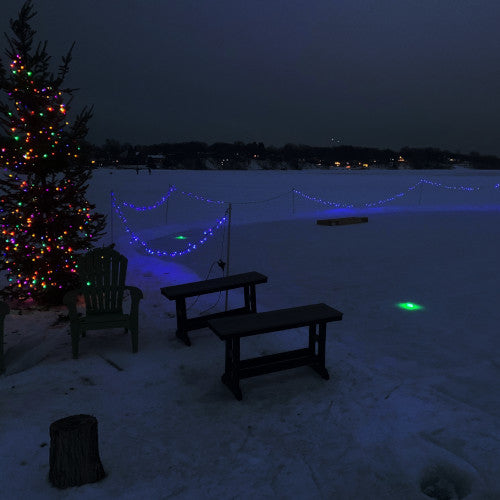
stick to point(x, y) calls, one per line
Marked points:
point(323, 202)
point(309, 197)
point(134, 237)
point(392, 198)
point(165, 198)
point(199, 197)
point(389, 199)
point(150, 207)
point(444, 186)
point(202, 198)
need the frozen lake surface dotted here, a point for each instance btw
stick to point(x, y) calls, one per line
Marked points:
point(413, 402)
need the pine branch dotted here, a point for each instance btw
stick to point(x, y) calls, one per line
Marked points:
point(64, 67)
point(22, 29)
point(40, 62)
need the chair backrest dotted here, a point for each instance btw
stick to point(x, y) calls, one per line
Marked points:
point(102, 272)
point(4, 310)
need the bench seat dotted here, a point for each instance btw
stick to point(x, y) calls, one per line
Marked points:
point(179, 293)
point(196, 288)
point(274, 321)
point(232, 329)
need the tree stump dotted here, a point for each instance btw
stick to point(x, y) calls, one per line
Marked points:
point(74, 452)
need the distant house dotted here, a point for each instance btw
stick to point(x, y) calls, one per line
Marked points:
point(155, 160)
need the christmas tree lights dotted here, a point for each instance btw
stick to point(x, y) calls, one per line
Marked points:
point(45, 219)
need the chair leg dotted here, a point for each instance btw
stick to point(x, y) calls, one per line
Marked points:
point(135, 339)
point(2, 363)
point(75, 338)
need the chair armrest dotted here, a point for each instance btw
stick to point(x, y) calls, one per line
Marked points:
point(70, 300)
point(135, 293)
point(135, 296)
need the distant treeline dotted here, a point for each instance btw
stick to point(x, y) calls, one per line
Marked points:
point(241, 156)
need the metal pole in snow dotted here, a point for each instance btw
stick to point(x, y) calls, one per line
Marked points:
point(166, 205)
point(111, 215)
point(293, 201)
point(229, 210)
point(420, 193)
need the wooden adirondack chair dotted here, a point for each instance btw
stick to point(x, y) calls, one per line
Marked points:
point(102, 273)
point(4, 310)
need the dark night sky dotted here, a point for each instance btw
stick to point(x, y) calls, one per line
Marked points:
point(381, 73)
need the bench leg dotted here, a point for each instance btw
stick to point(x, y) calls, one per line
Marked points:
point(318, 341)
point(180, 309)
point(253, 299)
point(246, 294)
point(250, 298)
point(231, 376)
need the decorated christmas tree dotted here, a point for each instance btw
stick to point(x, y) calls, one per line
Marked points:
point(45, 218)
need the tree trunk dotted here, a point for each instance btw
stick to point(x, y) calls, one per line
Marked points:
point(74, 452)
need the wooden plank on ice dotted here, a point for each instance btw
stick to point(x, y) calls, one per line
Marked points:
point(341, 221)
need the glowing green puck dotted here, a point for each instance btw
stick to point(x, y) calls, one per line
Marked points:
point(410, 306)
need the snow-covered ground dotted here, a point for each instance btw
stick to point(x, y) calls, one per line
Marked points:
point(413, 402)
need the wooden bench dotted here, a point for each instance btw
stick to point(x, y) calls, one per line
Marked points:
point(232, 329)
point(179, 293)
